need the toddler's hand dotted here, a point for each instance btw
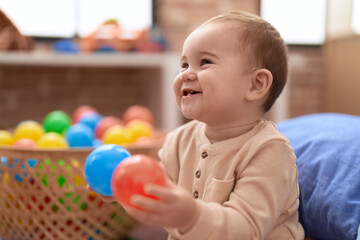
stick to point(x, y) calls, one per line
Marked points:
point(175, 207)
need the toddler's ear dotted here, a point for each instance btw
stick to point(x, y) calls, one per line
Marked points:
point(260, 84)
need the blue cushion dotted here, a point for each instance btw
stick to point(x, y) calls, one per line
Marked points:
point(327, 147)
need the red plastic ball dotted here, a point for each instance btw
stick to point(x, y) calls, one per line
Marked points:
point(25, 143)
point(105, 124)
point(78, 112)
point(132, 174)
point(138, 112)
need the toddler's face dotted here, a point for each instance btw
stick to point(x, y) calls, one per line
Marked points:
point(214, 78)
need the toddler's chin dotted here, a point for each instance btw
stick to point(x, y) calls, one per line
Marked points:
point(188, 115)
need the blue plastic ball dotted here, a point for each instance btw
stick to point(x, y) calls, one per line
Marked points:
point(100, 164)
point(90, 119)
point(79, 135)
point(97, 142)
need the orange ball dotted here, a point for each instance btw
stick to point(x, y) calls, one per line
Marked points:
point(106, 123)
point(78, 112)
point(138, 112)
point(132, 174)
point(25, 143)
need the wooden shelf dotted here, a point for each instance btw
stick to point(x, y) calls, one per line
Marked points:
point(91, 59)
point(168, 63)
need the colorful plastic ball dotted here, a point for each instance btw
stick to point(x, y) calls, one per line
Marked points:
point(118, 135)
point(100, 164)
point(6, 138)
point(132, 174)
point(25, 143)
point(106, 123)
point(81, 110)
point(79, 135)
point(138, 112)
point(52, 140)
point(139, 128)
point(28, 129)
point(56, 121)
point(90, 119)
point(97, 142)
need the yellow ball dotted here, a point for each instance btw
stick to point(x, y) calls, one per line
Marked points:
point(52, 140)
point(118, 135)
point(6, 138)
point(29, 129)
point(139, 128)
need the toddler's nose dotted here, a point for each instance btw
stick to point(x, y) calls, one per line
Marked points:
point(188, 75)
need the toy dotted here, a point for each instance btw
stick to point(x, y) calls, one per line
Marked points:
point(100, 164)
point(65, 46)
point(118, 135)
point(52, 140)
point(56, 121)
point(111, 36)
point(79, 135)
point(90, 119)
point(97, 142)
point(139, 128)
point(25, 143)
point(106, 123)
point(132, 174)
point(156, 41)
point(28, 129)
point(11, 37)
point(138, 112)
point(81, 110)
point(6, 138)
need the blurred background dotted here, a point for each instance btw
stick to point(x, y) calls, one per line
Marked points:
point(111, 54)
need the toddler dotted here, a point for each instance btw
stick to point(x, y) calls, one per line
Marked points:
point(232, 175)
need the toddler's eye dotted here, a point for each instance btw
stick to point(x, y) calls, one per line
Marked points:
point(205, 61)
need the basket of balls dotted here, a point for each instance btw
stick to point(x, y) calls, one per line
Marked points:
point(43, 190)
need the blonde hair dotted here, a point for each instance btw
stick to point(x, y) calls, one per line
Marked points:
point(263, 46)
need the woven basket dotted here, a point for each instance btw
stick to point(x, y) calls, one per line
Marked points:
point(43, 195)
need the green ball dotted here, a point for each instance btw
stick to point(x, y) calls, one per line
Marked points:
point(56, 121)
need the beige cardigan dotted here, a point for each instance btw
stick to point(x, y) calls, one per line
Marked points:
point(246, 186)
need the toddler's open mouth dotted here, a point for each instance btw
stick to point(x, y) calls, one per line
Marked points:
point(188, 92)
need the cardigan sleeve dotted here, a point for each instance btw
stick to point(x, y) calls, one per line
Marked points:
point(168, 155)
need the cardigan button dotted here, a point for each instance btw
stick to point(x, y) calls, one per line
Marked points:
point(198, 174)
point(204, 154)
point(196, 194)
